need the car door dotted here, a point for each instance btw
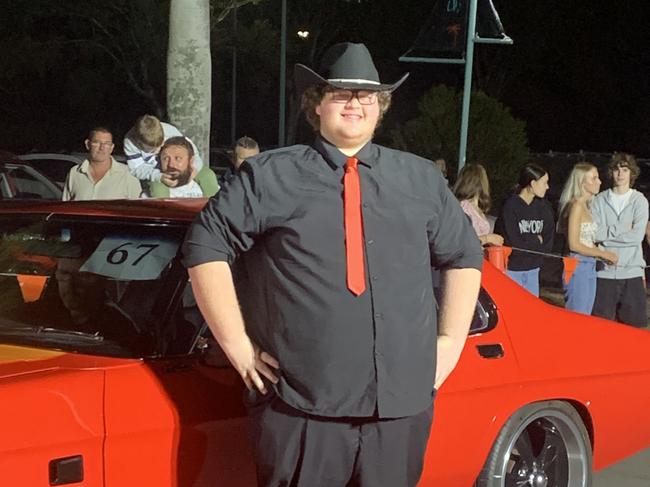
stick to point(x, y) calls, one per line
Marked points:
point(51, 419)
point(185, 406)
point(213, 447)
point(468, 411)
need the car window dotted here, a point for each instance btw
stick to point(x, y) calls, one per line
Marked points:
point(55, 169)
point(485, 316)
point(84, 285)
point(28, 186)
point(187, 332)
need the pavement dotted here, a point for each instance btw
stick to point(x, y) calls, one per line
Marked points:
point(633, 471)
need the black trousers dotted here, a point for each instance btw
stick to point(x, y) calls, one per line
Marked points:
point(623, 300)
point(296, 449)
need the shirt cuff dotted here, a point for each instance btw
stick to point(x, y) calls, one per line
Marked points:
point(195, 254)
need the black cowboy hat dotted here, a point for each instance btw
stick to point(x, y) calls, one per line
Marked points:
point(345, 65)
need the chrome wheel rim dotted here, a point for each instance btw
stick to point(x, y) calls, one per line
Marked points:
point(547, 450)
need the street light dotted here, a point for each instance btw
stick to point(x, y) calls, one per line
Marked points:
point(303, 34)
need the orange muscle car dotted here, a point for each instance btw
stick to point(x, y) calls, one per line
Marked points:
point(109, 376)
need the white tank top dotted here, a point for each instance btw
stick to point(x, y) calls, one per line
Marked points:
point(588, 233)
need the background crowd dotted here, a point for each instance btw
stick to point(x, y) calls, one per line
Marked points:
point(602, 231)
point(161, 163)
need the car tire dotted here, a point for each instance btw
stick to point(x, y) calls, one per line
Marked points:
point(543, 444)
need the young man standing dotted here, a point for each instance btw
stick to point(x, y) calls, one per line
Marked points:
point(336, 339)
point(244, 148)
point(622, 216)
point(100, 177)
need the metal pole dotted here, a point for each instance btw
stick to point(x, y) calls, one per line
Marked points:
point(233, 113)
point(283, 74)
point(467, 88)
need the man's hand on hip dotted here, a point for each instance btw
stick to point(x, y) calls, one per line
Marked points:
point(221, 312)
point(448, 353)
point(250, 361)
point(459, 292)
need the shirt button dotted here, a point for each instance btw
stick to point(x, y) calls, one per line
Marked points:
point(370, 242)
point(378, 354)
point(365, 205)
point(374, 278)
point(379, 315)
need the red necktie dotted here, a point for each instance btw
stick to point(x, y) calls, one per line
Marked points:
point(356, 277)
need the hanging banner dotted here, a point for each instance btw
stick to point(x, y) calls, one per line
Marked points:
point(445, 32)
point(444, 35)
point(488, 23)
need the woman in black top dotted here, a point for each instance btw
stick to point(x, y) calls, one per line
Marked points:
point(526, 223)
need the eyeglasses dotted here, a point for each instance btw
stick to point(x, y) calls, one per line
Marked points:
point(97, 143)
point(365, 97)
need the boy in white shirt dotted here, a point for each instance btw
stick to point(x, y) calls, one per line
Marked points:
point(142, 144)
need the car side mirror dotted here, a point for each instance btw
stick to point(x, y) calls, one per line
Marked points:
point(485, 315)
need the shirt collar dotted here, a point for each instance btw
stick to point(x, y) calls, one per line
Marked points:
point(335, 158)
point(85, 166)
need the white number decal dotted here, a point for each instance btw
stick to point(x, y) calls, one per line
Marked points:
point(131, 258)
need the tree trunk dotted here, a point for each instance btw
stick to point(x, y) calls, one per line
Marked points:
point(189, 71)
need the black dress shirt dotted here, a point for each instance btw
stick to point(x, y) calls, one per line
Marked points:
point(282, 217)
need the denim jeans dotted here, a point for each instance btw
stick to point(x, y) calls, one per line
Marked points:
point(580, 293)
point(529, 280)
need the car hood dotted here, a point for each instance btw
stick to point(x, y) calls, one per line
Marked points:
point(19, 360)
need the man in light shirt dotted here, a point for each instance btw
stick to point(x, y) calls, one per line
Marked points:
point(100, 177)
point(177, 160)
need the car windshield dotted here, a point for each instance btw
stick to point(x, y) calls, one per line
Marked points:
point(87, 285)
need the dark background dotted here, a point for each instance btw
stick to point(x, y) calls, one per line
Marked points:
point(577, 74)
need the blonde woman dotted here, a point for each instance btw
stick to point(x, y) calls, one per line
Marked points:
point(473, 191)
point(578, 225)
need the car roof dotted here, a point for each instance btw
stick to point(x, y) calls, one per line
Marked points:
point(51, 156)
point(10, 158)
point(179, 209)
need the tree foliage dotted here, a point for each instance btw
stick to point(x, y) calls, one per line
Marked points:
point(496, 139)
point(83, 63)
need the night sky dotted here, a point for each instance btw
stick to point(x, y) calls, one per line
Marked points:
point(577, 74)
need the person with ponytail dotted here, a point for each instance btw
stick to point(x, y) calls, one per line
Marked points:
point(526, 223)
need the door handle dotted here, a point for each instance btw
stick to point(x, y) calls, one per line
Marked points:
point(490, 351)
point(68, 470)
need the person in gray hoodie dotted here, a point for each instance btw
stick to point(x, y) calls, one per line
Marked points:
point(622, 216)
